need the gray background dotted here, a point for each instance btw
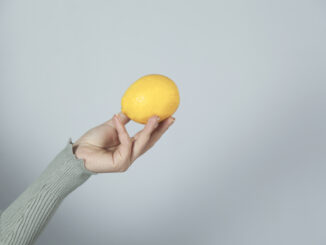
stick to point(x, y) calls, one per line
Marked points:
point(244, 162)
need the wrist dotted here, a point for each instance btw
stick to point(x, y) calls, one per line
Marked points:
point(79, 153)
point(75, 147)
point(65, 173)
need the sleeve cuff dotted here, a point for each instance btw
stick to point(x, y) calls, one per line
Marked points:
point(81, 162)
point(65, 172)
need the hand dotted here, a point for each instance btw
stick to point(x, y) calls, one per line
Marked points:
point(109, 148)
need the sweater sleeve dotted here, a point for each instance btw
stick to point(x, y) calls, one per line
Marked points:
point(22, 222)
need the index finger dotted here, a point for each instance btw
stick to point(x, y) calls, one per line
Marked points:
point(159, 131)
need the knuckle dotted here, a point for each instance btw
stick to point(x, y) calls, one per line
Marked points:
point(129, 141)
point(146, 137)
point(116, 168)
point(123, 167)
point(124, 135)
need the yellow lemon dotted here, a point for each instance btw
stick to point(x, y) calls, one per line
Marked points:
point(150, 95)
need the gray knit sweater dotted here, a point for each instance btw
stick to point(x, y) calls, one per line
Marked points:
point(22, 222)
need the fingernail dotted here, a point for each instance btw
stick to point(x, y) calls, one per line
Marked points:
point(122, 115)
point(156, 121)
point(155, 118)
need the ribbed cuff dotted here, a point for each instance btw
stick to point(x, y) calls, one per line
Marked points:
point(23, 220)
point(65, 173)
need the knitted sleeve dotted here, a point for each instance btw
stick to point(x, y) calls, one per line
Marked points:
point(22, 222)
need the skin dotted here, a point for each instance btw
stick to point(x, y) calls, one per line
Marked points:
point(108, 147)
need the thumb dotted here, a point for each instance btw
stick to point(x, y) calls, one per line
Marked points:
point(124, 119)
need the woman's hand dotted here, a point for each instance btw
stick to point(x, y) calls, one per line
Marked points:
point(109, 148)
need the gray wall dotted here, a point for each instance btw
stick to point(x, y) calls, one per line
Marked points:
point(243, 164)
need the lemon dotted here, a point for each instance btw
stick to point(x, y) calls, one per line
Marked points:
point(150, 95)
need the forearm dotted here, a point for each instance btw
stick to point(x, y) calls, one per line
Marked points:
point(25, 218)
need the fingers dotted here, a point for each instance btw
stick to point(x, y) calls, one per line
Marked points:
point(161, 129)
point(142, 138)
point(122, 154)
point(124, 119)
